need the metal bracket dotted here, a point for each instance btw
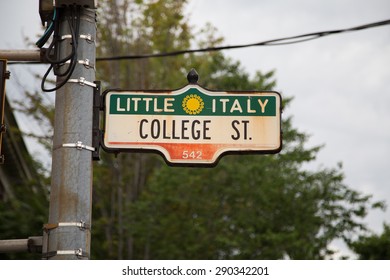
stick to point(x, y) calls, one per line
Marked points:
point(77, 252)
point(85, 62)
point(66, 36)
point(79, 146)
point(81, 225)
point(87, 37)
point(82, 82)
point(96, 133)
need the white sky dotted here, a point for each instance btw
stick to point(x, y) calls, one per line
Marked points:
point(340, 83)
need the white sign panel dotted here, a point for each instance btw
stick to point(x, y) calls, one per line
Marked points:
point(192, 125)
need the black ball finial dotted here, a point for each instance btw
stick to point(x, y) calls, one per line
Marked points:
point(193, 76)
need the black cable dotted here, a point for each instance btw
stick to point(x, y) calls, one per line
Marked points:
point(275, 42)
point(72, 58)
point(74, 26)
point(49, 30)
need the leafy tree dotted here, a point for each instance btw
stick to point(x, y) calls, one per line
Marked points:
point(23, 210)
point(24, 214)
point(373, 247)
point(248, 207)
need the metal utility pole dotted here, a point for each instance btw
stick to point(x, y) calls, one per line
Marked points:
point(67, 235)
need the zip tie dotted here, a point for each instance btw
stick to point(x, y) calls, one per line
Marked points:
point(79, 146)
point(82, 82)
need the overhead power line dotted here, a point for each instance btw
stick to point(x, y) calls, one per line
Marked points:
point(275, 42)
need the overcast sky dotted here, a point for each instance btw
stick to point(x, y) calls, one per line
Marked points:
point(340, 83)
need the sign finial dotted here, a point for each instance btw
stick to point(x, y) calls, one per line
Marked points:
point(193, 76)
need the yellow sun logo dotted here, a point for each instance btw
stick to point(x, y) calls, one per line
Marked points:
point(193, 104)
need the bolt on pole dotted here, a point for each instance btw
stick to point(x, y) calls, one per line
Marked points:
point(67, 234)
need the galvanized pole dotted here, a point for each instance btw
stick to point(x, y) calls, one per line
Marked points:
point(67, 234)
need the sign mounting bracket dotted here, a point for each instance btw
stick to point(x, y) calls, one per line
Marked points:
point(96, 132)
point(192, 126)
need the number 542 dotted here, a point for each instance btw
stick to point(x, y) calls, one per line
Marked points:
point(192, 154)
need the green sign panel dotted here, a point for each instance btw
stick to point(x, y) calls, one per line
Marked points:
point(193, 102)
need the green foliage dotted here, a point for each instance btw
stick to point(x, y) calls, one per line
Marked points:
point(143, 27)
point(41, 110)
point(248, 207)
point(23, 214)
point(373, 247)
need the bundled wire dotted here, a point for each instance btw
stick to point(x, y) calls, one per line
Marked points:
point(52, 53)
point(49, 30)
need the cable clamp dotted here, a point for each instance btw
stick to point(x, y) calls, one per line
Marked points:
point(82, 81)
point(66, 36)
point(81, 225)
point(77, 252)
point(79, 146)
point(86, 62)
point(87, 37)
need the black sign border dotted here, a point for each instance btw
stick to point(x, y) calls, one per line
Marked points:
point(117, 151)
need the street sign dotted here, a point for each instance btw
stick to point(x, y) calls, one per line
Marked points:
point(192, 125)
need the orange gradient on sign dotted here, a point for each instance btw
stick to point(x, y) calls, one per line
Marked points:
point(186, 151)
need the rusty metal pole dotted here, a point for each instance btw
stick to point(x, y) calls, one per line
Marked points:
point(67, 234)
